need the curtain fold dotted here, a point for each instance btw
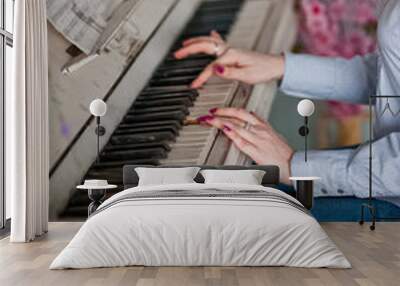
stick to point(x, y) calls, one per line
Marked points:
point(27, 147)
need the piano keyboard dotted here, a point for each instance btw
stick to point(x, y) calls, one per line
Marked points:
point(202, 145)
point(153, 130)
point(153, 127)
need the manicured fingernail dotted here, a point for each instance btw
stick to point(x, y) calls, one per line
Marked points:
point(205, 118)
point(213, 110)
point(227, 128)
point(219, 69)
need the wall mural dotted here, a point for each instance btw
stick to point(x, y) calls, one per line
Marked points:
point(94, 44)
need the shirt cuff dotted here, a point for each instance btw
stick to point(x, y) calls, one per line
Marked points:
point(330, 166)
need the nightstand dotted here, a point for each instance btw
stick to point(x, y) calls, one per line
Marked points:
point(96, 192)
point(305, 190)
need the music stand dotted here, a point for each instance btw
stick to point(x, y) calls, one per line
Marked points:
point(369, 205)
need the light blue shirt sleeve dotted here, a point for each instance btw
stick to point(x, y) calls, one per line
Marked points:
point(351, 80)
point(346, 172)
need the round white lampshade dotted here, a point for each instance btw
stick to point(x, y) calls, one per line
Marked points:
point(305, 108)
point(98, 107)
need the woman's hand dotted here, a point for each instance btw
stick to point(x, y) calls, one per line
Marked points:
point(254, 137)
point(246, 66)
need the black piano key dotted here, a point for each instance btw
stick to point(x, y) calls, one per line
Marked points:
point(157, 116)
point(167, 89)
point(146, 161)
point(222, 27)
point(163, 145)
point(189, 63)
point(160, 95)
point(215, 4)
point(142, 138)
point(155, 153)
point(173, 81)
point(134, 130)
point(171, 56)
point(178, 72)
point(193, 34)
point(184, 101)
point(149, 110)
point(152, 123)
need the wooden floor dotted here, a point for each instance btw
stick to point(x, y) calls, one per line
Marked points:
point(375, 257)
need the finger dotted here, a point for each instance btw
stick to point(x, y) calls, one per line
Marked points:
point(252, 137)
point(196, 48)
point(264, 125)
point(216, 35)
point(230, 72)
point(207, 73)
point(203, 77)
point(257, 116)
point(242, 144)
point(211, 69)
point(221, 122)
point(198, 39)
point(238, 113)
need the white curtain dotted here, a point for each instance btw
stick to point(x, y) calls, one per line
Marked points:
point(27, 147)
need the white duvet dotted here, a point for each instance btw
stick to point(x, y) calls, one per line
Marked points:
point(200, 231)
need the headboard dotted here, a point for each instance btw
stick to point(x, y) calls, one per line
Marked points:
point(271, 177)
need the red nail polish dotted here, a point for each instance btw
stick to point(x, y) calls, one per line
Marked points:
point(213, 110)
point(227, 128)
point(209, 117)
point(219, 69)
point(205, 118)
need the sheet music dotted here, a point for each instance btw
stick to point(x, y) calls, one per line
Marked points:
point(97, 26)
point(82, 21)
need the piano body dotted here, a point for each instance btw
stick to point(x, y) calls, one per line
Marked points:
point(121, 51)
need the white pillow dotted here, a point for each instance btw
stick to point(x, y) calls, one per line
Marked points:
point(248, 177)
point(164, 176)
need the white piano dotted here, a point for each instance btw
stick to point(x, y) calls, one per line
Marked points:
point(120, 51)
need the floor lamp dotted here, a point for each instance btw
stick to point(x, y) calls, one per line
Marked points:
point(370, 205)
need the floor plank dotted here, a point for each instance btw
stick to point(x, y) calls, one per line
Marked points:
point(375, 257)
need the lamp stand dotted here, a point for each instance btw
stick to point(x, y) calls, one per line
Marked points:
point(303, 131)
point(100, 131)
point(370, 206)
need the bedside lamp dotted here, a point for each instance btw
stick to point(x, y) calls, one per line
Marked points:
point(305, 108)
point(98, 108)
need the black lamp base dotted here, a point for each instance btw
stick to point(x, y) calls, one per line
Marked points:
point(372, 210)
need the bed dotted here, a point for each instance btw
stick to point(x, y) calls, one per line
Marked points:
point(198, 224)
